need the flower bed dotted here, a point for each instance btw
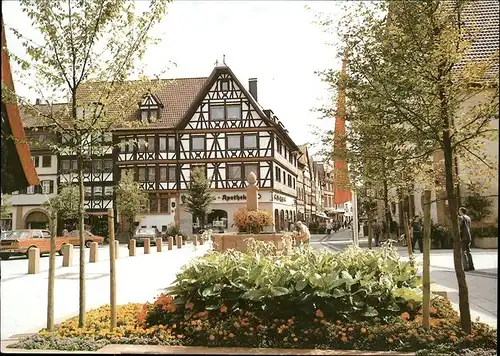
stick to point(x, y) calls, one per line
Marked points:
point(357, 299)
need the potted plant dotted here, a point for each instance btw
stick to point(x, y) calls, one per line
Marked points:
point(485, 236)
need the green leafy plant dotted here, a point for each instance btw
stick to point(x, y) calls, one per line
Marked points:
point(354, 284)
point(130, 198)
point(485, 231)
point(200, 197)
point(478, 206)
point(174, 229)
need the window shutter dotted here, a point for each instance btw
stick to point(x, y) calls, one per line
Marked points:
point(51, 189)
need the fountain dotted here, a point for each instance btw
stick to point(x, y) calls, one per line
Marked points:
point(236, 240)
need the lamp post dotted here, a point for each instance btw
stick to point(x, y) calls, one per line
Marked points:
point(355, 232)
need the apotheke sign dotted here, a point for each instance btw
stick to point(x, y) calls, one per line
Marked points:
point(234, 197)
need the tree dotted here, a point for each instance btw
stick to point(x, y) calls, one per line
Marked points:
point(130, 198)
point(200, 196)
point(64, 205)
point(90, 49)
point(412, 63)
point(5, 207)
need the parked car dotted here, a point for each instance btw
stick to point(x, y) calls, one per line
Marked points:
point(74, 238)
point(19, 242)
point(5, 234)
point(146, 233)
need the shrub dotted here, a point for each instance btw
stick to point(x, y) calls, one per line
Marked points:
point(440, 234)
point(354, 284)
point(478, 206)
point(253, 221)
point(485, 231)
point(173, 229)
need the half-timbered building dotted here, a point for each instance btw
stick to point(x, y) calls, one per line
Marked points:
point(214, 123)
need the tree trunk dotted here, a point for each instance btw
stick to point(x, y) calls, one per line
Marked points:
point(112, 268)
point(131, 228)
point(463, 291)
point(408, 236)
point(426, 276)
point(370, 228)
point(52, 273)
point(81, 226)
point(387, 211)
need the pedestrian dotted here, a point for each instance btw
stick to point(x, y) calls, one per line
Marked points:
point(376, 232)
point(329, 228)
point(417, 234)
point(302, 237)
point(465, 238)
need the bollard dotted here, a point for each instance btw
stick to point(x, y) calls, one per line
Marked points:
point(195, 240)
point(117, 248)
point(179, 241)
point(159, 244)
point(68, 255)
point(93, 252)
point(170, 242)
point(131, 248)
point(33, 260)
point(146, 246)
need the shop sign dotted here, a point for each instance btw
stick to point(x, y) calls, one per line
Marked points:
point(235, 197)
point(279, 198)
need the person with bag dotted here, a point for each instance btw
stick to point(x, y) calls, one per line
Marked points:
point(417, 235)
point(464, 222)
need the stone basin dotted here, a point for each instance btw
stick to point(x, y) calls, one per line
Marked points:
point(236, 241)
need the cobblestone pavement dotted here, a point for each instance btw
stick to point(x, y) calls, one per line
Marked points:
point(482, 282)
point(138, 279)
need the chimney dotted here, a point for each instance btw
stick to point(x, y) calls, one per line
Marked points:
point(252, 87)
point(38, 101)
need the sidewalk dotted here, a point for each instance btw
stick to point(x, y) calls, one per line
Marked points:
point(138, 279)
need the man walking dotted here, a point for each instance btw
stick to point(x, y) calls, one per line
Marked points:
point(302, 236)
point(464, 223)
point(417, 235)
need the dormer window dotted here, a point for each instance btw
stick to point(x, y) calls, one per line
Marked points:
point(224, 84)
point(150, 108)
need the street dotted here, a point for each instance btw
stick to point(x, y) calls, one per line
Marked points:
point(138, 279)
point(482, 282)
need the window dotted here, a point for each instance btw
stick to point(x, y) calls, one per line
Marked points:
point(151, 144)
point(163, 143)
point(250, 141)
point(233, 112)
point(163, 174)
point(290, 181)
point(87, 166)
point(279, 146)
point(278, 174)
point(123, 145)
point(217, 112)
point(197, 143)
point(153, 205)
point(171, 173)
point(98, 191)
point(96, 165)
point(38, 189)
point(108, 191)
point(293, 183)
point(149, 115)
point(74, 165)
point(252, 167)
point(36, 161)
point(284, 177)
point(47, 187)
point(88, 191)
point(233, 142)
point(234, 171)
point(164, 208)
point(141, 145)
point(142, 174)
point(108, 165)
point(151, 174)
point(224, 84)
point(65, 164)
point(46, 161)
point(30, 190)
point(171, 144)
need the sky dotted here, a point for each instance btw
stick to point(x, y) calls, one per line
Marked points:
point(273, 41)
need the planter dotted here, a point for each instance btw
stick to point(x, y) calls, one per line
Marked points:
point(236, 241)
point(486, 242)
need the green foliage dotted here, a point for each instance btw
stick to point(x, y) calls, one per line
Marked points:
point(65, 203)
point(354, 284)
point(440, 234)
point(130, 198)
point(173, 229)
point(5, 207)
point(478, 206)
point(484, 231)
point(200, 197)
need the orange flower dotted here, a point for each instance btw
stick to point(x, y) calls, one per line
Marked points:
point(223, 309)
point(319, 313)
point(363, 330)
point(343, 339)
point(390, 340)
point(189, 306)
point(306, 332)
point(432, 310)
point(405, 316)
point(198, 328)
